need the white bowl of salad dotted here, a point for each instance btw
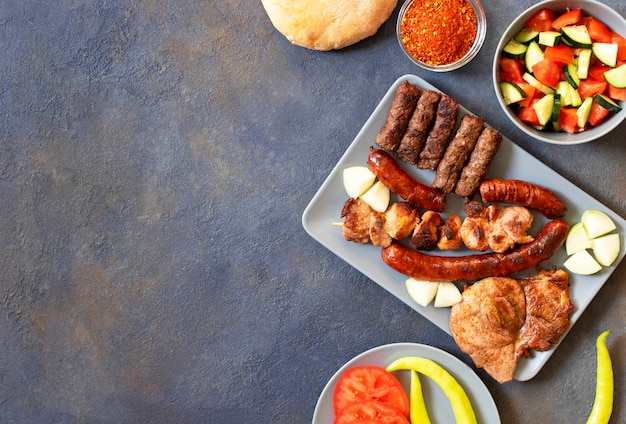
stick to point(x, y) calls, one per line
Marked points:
point(559, 71)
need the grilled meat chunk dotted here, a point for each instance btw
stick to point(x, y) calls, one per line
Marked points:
point(426, 234)
point(450, 234)
point(356, 224)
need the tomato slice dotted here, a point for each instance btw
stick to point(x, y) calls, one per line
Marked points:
point(598, 31)
point(590, 87)
point(621, 45)
point(541, 21)
point(568, 120)
point(616, 93)
point(568, 18)
point(512, 70)
point(597, 70)
point(528, 114)
point(548, 72)
point(530, 91)
point(369, 383)
point(560, 54)
point(370, 411)
point(597, 114)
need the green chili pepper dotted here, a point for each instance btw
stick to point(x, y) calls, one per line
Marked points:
point(461, 405)
point(603, 402)
point(417, 407)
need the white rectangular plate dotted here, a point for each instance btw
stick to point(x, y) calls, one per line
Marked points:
point(511, 162)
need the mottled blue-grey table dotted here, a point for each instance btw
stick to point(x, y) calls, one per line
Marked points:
point(155, 161)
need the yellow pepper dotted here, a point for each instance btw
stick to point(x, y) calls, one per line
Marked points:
point(417, 407)
point(603, 402)
point(461, 405)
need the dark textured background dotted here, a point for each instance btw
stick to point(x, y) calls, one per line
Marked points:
point(155, 161)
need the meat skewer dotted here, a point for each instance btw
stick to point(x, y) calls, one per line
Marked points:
point(397, 121)
point(457, 153)
point(437, 139)
point(476, 169)
point(419, 126)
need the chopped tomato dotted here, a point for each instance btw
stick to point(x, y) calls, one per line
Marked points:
point(369, 383)
point(597, 114)
point(568, 120)
point(568, 18)
point(561, 54)
point(530, 91)
point(597, 70)
point(541, 21)
point(529, 115)
point(590, 87)
point(621, 45)
point(598, 31)
point(370, 411)
point(512, 70)
point(616, 93)
point(548, 72)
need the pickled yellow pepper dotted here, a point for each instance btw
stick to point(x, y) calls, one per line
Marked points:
point(603, 402)
point(461, 405)
point(417, 407)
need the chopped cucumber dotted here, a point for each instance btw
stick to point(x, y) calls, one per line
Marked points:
point(526, 35)
point(606, 103)
point(511, 92)
point(571, 75)
point(569, 95)
point(616, 76)
point(549, 38)
point(537, 84)
point(543, 108)
point(533, 55)
point(556, 108)
point(606, 53)
point(514, 50)
point(583, 112)
point(576, 36)
point(584, 61)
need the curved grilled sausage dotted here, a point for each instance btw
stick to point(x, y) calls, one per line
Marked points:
point(472, 267)
point(401, 183)
point(525, 194)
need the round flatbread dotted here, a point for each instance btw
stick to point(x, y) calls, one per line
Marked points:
point(328, 24)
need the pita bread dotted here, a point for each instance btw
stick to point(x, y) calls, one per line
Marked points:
point(328, 24)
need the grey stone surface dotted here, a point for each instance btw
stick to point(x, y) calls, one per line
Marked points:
point(155, 161)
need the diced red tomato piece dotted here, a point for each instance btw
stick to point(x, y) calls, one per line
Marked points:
point(616, 93)
point(589, 87)
point(597, 114)
point(561, 54)
point(621, 45)
point(541, 21)
point(568, 120)
point(513, 70)
point(598, 31)
point(370, 411)
point(367, 383)
point(568, 18)
point(548, 72)
point(597, 70)
point(529, 115)
point(530, 91)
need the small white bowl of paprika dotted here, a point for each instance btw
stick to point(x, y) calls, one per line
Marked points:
point(441, 35)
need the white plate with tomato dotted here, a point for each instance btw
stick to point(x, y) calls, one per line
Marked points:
point(437, 404)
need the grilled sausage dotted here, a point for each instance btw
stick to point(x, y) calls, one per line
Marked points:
point(419, 126)
point(476, 169)
point(437, 139)
point(401, 183)
point(457, 153)
point(472, 267)
point(525, 194)
point(397, 121)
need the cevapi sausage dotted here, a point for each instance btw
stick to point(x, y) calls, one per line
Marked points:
point(398, 116)
point(419, 126)
point(401, 183)
point(472, 267)
point(525, 194)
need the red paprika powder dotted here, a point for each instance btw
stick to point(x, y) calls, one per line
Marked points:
point(438, 32)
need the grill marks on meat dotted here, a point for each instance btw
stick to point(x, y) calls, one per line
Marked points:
point(437, 140)
point(499, 319)
point(397, 121)
point(476, 169)
point(457, 153)
point(419, 127)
